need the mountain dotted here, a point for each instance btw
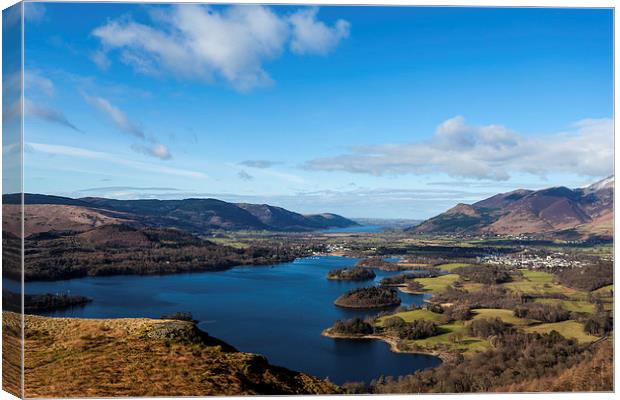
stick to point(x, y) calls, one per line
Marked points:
point(281, 219)
point(560, 211)
point(45, 213)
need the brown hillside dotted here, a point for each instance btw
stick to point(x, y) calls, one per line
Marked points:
point(70, 357)
point(54, 217)
point(582, 212)
point(594, 374)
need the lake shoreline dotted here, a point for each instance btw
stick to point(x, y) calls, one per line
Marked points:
point(392, 342)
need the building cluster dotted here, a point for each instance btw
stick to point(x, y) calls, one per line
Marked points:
point(334, 248)
point(531, 260)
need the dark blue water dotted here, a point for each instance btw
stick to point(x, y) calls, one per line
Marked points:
point(278, 311)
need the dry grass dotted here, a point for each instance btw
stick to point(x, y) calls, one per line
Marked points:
point(11, 353)
point(68, 357)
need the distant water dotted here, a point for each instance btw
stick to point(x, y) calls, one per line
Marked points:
point(278, 311)
point(356, 229)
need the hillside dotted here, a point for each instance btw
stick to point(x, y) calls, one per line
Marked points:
point(572, 213)
point(278, 218)
point(123, 250)
point(70, 357)
point(46, 213)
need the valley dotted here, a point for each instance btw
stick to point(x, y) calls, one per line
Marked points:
point(379, 310)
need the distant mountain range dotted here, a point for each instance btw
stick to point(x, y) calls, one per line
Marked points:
point(557, 211)
point(46, 213)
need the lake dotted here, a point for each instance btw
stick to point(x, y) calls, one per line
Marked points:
point(278, 311)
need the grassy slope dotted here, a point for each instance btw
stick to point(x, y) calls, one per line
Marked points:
point(568, 329)
point(570, 305)
point(505, 315)
point(446, 340)
point(452, 266)
point(68, 357)
point(410, 316)
point(533, 282)
point(538, 282)
point(605, 290)
point(439, 283)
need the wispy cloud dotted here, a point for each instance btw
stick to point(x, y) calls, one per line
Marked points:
point(203, 43)
point(39, 87)
point(258, 163)
point(35, 82)
point(244, 176)
point(32, 109)
point(491, 152)
point(115, 115)
point(260, 169)
point(151, 147)
point(100, 59)
point(156, 150)
point(78, 152)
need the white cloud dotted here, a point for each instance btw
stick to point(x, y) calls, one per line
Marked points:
point(115, 115)
point(491, 152)
point(313, 36)
point(78, 152)
point(156, 150)
point(199, 42)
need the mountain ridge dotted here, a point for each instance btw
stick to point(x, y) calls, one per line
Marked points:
point(556, 211)
point(47, 212)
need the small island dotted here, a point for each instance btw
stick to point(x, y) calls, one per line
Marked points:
point(371, 297)
point(351, 274)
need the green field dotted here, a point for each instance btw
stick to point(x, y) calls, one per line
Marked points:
point(445, 340)
point(229, 242)
point(568, 329)
point(438, 283)
point(409, 316)
point(538, 282)
point(538, 276)
point(505, 315)
point(448, 340)
point(453, 266)
point(570, 305)
point(604, 291)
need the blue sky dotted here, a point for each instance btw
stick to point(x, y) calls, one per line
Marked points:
point(363, 111)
